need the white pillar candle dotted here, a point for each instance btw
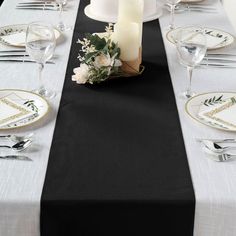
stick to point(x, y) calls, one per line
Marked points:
point(126, 34)
point(132, 11)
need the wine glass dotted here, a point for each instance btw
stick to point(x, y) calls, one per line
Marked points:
point(61, 25)
point(40, 45)
point(172, 4)
point(191, 49)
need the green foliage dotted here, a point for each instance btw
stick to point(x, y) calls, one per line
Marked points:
point(212, 101)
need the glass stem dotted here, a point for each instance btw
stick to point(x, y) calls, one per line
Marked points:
point(190, 75)
point(40, 70)
point(60, 13)
point(172, 13)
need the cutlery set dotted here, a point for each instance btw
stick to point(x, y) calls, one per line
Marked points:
point(39, 5)
point(216, 149)
point(20, 144)
point(17, 56)
point(218, 60)
point(183, 7)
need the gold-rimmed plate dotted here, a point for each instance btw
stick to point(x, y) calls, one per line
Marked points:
point(216, 38)
point(208, 100)
point(14, 35)
point(29, 100)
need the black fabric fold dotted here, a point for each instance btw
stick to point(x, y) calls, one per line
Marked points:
point(117, 164)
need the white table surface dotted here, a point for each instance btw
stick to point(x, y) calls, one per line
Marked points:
point(214, 183)
point(21, 183)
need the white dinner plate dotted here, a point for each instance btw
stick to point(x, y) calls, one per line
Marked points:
point(113, 19)
point(211, 34)
point(18, 33)
point(193, 105)
point(31, 101)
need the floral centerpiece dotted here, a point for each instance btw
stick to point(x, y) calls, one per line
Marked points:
point(99, 59)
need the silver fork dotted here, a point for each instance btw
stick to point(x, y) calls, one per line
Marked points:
point(220, 157)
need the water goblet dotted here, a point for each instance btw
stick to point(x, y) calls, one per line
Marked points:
point(172, 4)
point(40, 45)
point(191, 49)
point(61, 25)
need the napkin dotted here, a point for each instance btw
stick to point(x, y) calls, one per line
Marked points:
point(12, 112)
point(211, 41)
point(15, 38)
point(221, 114)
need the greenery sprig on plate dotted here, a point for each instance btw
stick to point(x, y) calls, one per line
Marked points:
point(213, 101)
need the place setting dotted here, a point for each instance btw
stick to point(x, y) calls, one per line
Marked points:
point(21, 109)
point(214, 109)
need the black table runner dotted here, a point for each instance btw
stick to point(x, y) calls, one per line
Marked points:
point(117, 164)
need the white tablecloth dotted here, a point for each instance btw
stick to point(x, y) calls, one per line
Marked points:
point(214, 183)
point(21, 182)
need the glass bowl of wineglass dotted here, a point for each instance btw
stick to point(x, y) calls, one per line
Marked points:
point(40, 45)
point(191, 49)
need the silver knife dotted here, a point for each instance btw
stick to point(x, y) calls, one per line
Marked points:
point(38, 8)
point(16, 157)
point(39, 2)
point(38, 5)
point(196, 10)
point(221, 54)
point(219, 59)
point(14, 55)
point(9, 51)
point(218, 65)
point(227, 140)
point(21, 60)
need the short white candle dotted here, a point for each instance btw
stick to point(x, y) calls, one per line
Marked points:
point(127, 36)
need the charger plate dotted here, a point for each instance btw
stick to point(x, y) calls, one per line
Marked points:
point(31, 101)
point(17, 29)
point(113, 19)
point(193, 105)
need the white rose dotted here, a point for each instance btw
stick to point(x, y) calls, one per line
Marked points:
point(102, 60)
point(81, 74)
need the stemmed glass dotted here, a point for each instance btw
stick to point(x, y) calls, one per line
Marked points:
point(172, 4)
point(40, 45)
point(191, 49)
point(61, 25)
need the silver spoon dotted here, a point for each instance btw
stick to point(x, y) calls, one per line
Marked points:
point(215, 147)
point(17, 138)
point(20, 146)
point(220, 157)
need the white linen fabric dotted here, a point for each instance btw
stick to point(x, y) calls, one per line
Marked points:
point(230, 8)
point(214, 183)
point(21, 182)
